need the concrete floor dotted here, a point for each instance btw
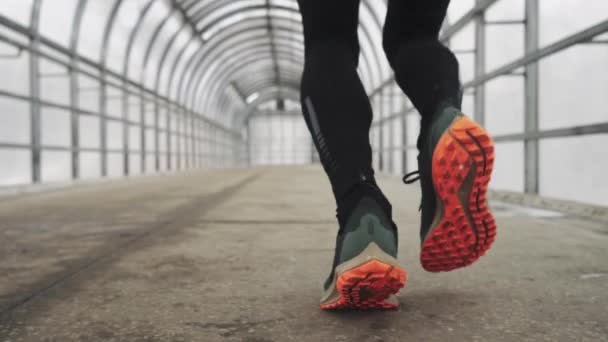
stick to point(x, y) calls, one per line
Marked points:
point(239, 255)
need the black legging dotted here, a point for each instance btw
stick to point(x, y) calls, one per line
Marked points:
point(337, 110)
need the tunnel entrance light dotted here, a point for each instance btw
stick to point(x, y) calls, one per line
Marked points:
point(252, 97)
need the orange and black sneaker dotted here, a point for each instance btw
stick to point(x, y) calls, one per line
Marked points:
point(365, 273)
point(455, 165)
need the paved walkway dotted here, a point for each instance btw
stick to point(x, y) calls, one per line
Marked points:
point(239, 255)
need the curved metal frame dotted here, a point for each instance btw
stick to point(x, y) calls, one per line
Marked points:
point(194, 75)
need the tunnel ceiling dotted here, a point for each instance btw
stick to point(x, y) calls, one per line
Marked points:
point(216, 57)
point(253, 50)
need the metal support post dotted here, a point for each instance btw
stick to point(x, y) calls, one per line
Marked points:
point(391, 131)
point(531, 148)
point(126, 126)
point(169, 136)
point(156, 135)
point(103, 124)
point(480, 66)
point(381, 131)
point(178, 139)
point(404, 142)
point(34, 65)
point(143, 150)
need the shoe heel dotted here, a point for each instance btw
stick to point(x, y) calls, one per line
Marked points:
point(367, 282)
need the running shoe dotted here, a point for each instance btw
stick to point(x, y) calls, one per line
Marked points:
point(365, 273)
point(455, 162)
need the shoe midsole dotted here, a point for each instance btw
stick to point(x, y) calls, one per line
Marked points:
point(371, 252)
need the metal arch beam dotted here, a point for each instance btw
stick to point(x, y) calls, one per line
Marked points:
point(277, 68)
point(298, 23)
point(211, 78)
point(246, 8)
point(263, 56)
point(187, 72)
point(218, 75)
point(254, 85)
point(192, 69)
point(194, 38)
point(261, 83)
point(243, 46)
point(125, 98)
point(156, 88)
point(201, 14)
point(265, 95)
point(74, 92)
point(206, 12)
point(248, 81)
point(247, 86)
point(364, 28)
point(213, 57)
point(103, 93)
point(147, 57)
point(260, 80)
point(190, 5)
point(173, 69)
point(226, 71)
point(140, 18)
point(260, 60)
point(187, 66)
point(370, 68)
point(153, 39)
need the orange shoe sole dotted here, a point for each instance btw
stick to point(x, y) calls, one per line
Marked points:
point(368, 286)
point(465, 228)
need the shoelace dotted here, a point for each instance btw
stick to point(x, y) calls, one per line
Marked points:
point(407, 179)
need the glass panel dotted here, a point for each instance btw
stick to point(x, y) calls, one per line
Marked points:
point(56, 127)
point(18, 10)
point(54, 83)
point(56, 20)
point(154, 17)
point(505, 105)
point(566, 17)
point(503, 45)
point(90, 165)
point(135, 164)
point(14, 68)
point(14, 122)
point(163, 41)
point(88, 91)
point(507, 10)
point(126, 20)
point(56, 166)
point(576, 94)
point(95, 18)
point(16, 167)
point(458, 8)
point(574, 169)
point(509, 167)
point(89, 132)
point(114, 137)
point(115, 165)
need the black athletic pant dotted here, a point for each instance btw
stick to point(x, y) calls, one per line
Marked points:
point(336, 107)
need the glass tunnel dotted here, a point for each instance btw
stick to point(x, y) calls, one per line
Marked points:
point(159, 181)
point(110, 88)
